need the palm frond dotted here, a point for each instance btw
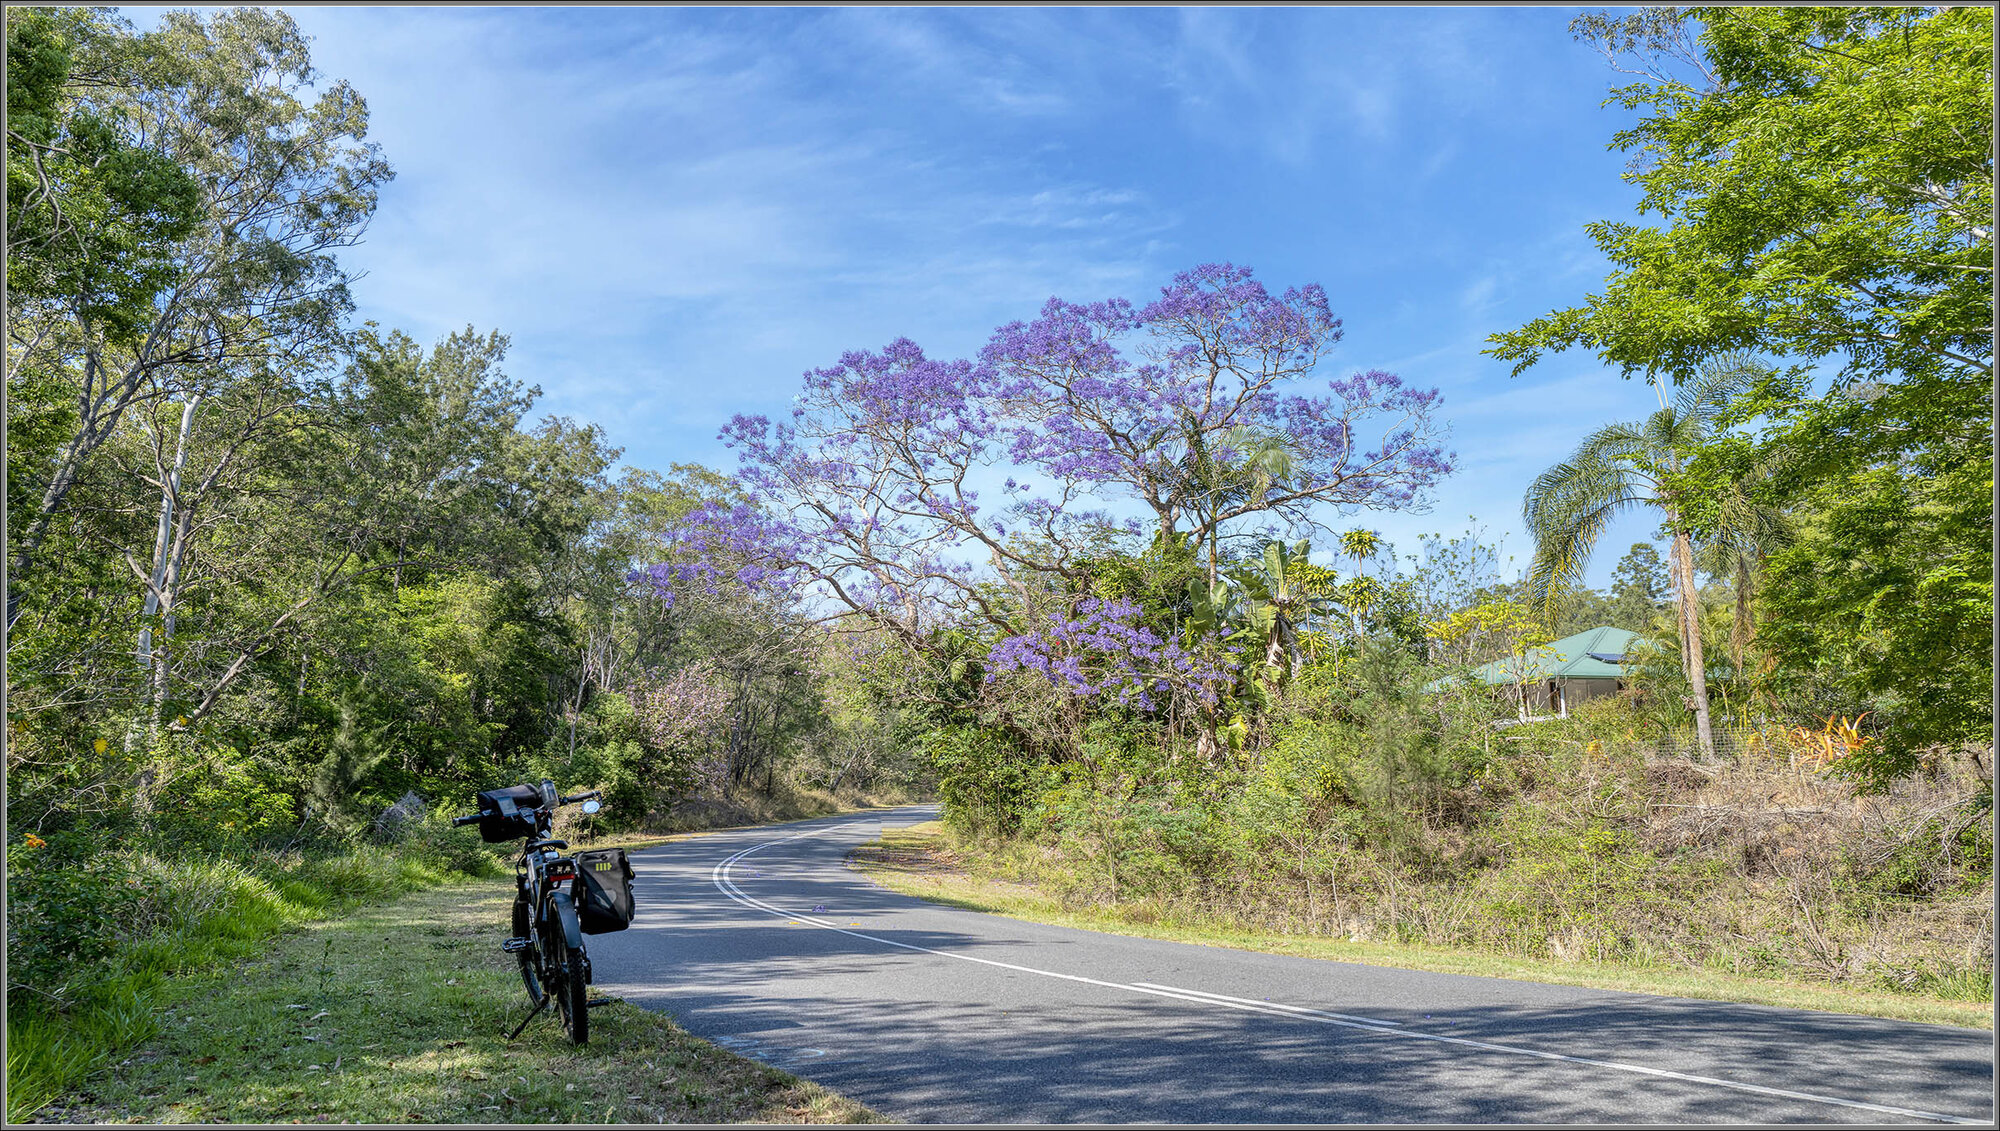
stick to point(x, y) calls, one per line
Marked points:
point(1565, 510)
point(1615, 443)
point(1719, 380)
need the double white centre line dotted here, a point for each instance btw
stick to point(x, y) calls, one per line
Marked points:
point(720, 876)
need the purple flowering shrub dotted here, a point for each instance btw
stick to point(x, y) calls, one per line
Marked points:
point(678, 715)
point(1102, 650)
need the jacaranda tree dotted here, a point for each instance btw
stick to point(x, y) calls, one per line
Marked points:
point(867, 496)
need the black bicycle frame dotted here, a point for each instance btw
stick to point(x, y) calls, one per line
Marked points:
point(551, 935)
point(543, 892)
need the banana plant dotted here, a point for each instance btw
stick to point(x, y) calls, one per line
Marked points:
point(1279, 592)
point(1215, 609)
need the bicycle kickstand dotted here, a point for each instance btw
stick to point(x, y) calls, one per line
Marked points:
point(539, 1006)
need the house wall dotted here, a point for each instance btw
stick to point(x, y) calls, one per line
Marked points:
point(1538, 695)
point(1578, 690)
point(1553, 697)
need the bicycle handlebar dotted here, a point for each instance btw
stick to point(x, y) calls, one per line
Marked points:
point(589, 795)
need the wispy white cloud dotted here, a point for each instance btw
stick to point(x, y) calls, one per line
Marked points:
point(1297, 84)
point(674, 212)
point(712, 226)
point(1475, 299)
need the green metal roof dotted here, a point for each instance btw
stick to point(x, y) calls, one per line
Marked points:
point(1568, 658)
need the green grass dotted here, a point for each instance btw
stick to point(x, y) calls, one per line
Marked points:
point(210, 913)
point(914, 861)
point(205, 913)
point(399, 1013)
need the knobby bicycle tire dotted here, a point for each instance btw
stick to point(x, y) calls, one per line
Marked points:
point(571, 996)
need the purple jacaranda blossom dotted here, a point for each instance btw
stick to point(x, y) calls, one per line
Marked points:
point(717, 543)
point(863, 492)
point(1101, 649)
point(1218, 358)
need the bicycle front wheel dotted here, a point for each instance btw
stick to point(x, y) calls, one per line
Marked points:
point(528, 958)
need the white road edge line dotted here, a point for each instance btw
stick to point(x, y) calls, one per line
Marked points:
point(1298, 1009)
point(720, 877)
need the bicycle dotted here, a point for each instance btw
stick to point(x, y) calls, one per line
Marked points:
point(547, 927)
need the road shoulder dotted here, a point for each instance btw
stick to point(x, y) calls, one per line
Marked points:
point(915, 861)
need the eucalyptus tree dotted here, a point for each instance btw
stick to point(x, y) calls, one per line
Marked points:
point(1621, 467)
point(92, 212)
point(257, 176)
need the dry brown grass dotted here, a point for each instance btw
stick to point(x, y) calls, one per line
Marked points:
point(917, 861)
point(1595, 850)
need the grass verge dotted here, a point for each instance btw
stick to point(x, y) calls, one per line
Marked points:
point(916, 861)
point(189, 915)
point(185, 916)
point(399, 1014)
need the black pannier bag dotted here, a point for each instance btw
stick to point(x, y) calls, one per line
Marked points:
point(604, 880)
point(508, 814)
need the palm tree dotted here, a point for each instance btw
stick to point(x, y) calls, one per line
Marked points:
point(1621, 466)
point(1242, 465)
point(1746, 533)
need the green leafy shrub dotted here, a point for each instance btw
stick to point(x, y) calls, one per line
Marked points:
point(69, 898)
point(984, 782)
point(213, 796)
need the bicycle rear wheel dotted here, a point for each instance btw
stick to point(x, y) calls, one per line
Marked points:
point(571, 996)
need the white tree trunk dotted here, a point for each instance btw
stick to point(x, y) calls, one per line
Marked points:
point(1690, 616)
point(166, 554)
point(169, 495)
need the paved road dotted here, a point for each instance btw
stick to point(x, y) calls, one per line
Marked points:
point(764, 941)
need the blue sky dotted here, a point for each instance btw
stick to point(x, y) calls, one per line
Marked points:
point(674, 212)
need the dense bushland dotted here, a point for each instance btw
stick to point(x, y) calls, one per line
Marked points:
point(1571, 839)
point(271, 573)
point(1184, 708)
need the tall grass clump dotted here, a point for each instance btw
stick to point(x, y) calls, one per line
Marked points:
point(96, 925)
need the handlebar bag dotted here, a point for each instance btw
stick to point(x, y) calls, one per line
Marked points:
point(604, 887)
point(508, 814)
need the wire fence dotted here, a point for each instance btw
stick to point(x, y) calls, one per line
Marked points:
point(1768, 743)
point(1734, 743)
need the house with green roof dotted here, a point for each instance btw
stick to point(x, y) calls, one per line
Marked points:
point(1561, 673)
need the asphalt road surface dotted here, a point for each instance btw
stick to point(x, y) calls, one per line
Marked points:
point(764, 941)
